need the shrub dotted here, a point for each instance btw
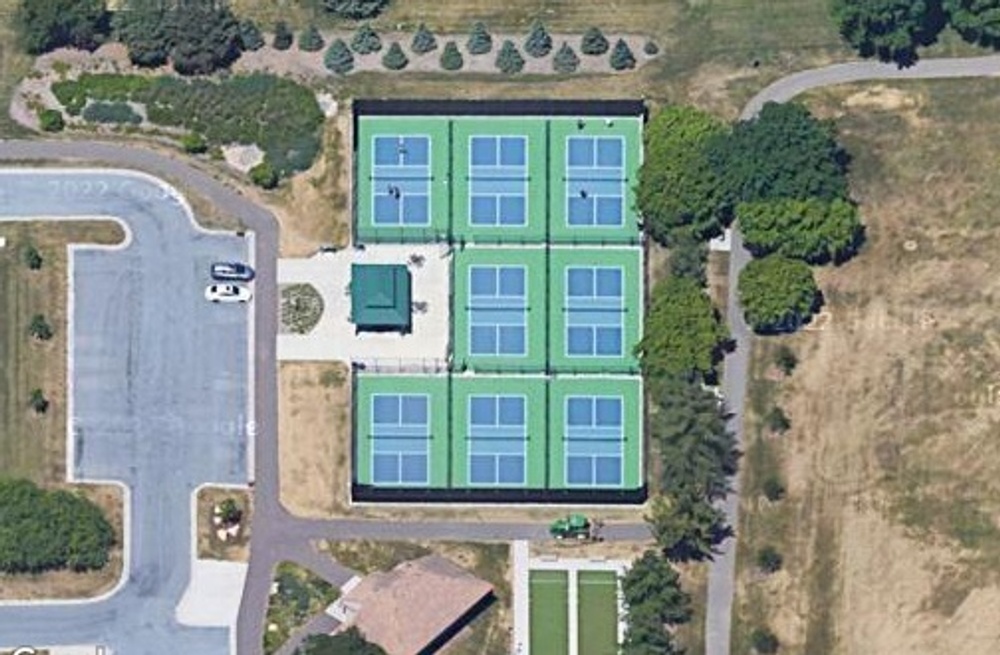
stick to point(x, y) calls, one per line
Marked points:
point(622, 57)
point(539, 42)
point(773, 488)
point(111, 113)
point(394, 58)
point(565, 60)
point(509, 60)
point(769, 560)
point(194, 143)
point(38, 403)
point(650, 48)
point(366, 40)
point(250, 35)
point(283, 36)
point(594, 42)
point(423, 41)
point(785, 359)
point(451, 57)
point(39, 328)
point(264, 175)
point(229, 512)
point(480, 42)
point(51, 120)
point(310, 40)
point(764, 641)
point(50, 530)
point(356, 9)
point(338, 58)
point(777, 421)
point(301, 308)
point(32, 258)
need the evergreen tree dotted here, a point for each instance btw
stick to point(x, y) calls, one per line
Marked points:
point(338, 58)
point(310, 40)
point(451, 57)
point(355, 9)
point(366, 40)
point(565, 60)
point(622, 57)
point(594, 42)
point(509, 60)
point(650, 48)
point(250, 35)
point(539, 42)
point(480, 41)
point(395, 59)
point(283, 36)
point(423, 41)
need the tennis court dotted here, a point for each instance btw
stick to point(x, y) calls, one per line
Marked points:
point(498, 180)
point(400, 439)
point(597, 609)
point(499, 310)
point(401, 180)
point(595, 181)
point(549, 612)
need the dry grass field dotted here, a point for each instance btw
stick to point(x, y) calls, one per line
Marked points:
point(891, 525)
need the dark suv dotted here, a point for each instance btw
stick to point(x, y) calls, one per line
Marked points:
point(232, 271)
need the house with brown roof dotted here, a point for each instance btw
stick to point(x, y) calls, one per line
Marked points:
point(415, 608)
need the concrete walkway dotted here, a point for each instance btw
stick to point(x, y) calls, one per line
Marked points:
point(334, 337)
point(522, 597)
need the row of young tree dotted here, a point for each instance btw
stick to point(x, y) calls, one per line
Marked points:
point(893, 30)
point(339, 57)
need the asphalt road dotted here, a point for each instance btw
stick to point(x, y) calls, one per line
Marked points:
point(722, 575)
point(158, 396)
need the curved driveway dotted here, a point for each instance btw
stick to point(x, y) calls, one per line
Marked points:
point(722, 576)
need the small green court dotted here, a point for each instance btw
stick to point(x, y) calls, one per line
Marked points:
point(597, 608)
point(549, 623)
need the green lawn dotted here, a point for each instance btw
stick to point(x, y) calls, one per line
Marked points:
point(549, 601)
point(597, 607)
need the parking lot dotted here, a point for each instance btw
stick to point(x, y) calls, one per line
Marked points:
point(158, 397)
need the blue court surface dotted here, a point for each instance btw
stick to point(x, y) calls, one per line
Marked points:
point(594, 440)
point(497, 440)
point(401, 179)
point(595, 308)
point(498, 308)
point(401, 439)
point(498, 180)
point(595, 181)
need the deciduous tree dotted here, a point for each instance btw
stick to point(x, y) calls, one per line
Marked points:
point(683, 333)
point(677, 185)
point(814, 230)
point(44, 25)
point(777, 294)
point(889, 29)
point(785, 152)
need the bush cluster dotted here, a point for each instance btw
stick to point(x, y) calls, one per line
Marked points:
point(50, 530)
point(278, 115)
point(118, 113)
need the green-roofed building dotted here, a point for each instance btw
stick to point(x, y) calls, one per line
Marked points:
point(380, 297)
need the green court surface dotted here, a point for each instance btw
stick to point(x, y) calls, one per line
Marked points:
point(597, 608)
point(498, 431)
point(549, 612)
point(497, 179)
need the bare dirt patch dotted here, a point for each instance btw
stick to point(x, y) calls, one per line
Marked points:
point(235, 548)
point(314, 437)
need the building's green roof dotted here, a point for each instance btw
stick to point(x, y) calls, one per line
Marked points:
point(380, 297)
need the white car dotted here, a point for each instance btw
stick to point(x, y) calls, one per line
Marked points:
point(227, 293)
